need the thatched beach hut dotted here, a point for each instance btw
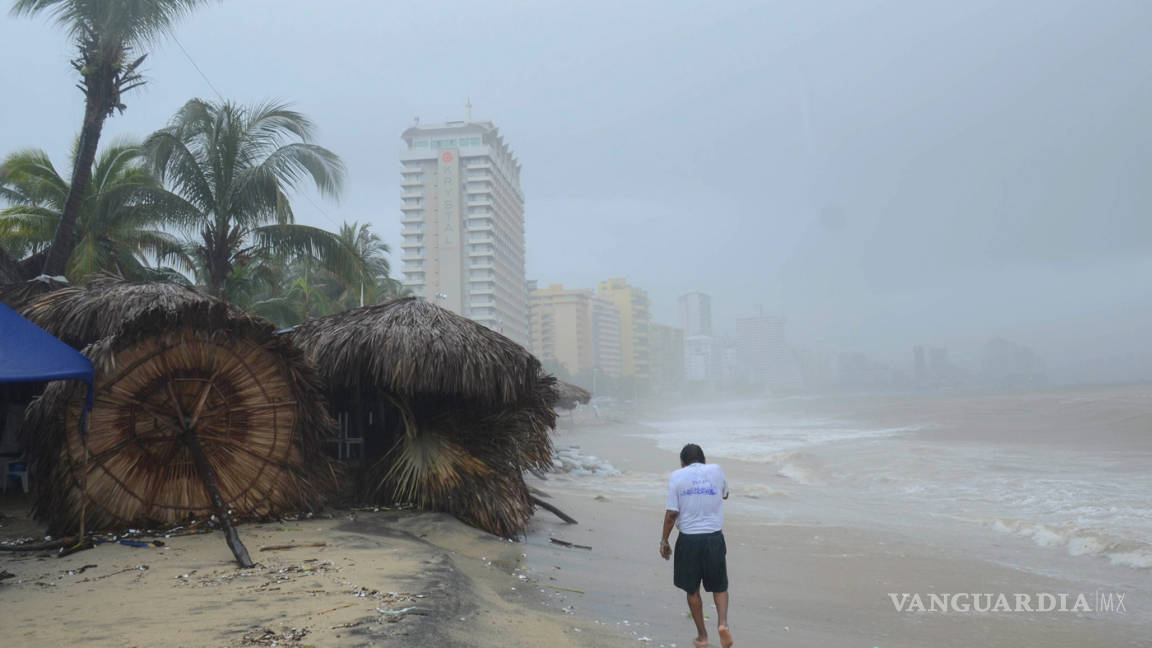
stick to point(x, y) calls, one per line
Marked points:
point(437, 410)
point(187, 388)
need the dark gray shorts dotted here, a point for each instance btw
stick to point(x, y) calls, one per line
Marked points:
point(700, 557)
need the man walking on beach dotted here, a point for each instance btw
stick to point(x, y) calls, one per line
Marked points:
point(695, 505)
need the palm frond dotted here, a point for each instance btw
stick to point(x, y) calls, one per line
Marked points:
point(310, 242)
point(127, 22)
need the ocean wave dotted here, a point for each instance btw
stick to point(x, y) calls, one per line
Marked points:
point(758, 442)
point(1078, 541)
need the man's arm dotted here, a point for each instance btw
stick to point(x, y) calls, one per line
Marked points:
point(669, 522)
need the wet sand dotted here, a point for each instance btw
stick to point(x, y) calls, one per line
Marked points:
point(383, 579)
point(792, 584)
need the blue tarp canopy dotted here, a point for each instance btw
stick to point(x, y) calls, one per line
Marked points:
point(28, 353)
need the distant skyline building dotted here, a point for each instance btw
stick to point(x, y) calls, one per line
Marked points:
point(576, 329)
point(1008, 364)
point(762, 343)
point(696, 314)
point(633, 305)
point(667, 349)
point(703, 359)
point(463, 224)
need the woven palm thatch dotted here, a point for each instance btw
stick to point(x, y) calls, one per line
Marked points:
point(18, 293)
point(476, 408)
point(171, 361)
point(568, 396)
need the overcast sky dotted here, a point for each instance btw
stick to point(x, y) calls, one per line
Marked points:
point(881, 173)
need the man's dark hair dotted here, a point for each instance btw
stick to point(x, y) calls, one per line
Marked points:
point(692, 454)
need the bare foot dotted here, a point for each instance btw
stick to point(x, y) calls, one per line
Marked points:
point(700, 643)
point(725, 636)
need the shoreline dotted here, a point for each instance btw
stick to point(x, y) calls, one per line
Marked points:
point(805, 572)
point(381, 579)
point(795, 581)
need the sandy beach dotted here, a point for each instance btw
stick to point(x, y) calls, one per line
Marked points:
point(814, 554)
point(382, 579)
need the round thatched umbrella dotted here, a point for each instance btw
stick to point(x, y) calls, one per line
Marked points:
point(199, 409)
point(568, 396)
point(474, 408)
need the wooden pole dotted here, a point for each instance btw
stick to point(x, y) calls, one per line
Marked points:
point(84, 487)
point(211, 484)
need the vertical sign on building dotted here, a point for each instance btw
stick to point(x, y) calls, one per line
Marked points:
point(451, 266)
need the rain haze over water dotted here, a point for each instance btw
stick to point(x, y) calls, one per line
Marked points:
point(882, 174)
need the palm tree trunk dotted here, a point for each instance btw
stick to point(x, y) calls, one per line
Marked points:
point(218, 266)
point(56, 263)
point(9, 268)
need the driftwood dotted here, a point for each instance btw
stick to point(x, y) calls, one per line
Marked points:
point(293, 546)
point(552, 509)
point(572, 545)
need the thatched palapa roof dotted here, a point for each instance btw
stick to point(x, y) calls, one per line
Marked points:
point(170, 361)
point(476, 407)
point(568, 396)
point(409, 346)
point(16, 293)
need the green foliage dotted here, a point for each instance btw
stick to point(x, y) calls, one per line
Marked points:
point(106, 34)
point(234, 166)
point(289, 288)
point(119, 227)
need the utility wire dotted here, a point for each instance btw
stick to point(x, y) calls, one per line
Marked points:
point(221, 96)
point(202, 75)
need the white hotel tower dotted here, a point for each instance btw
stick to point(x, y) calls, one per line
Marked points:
point(463, 218)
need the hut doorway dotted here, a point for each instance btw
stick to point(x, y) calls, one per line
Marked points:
point(370, 426)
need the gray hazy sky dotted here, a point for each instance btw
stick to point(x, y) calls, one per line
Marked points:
point(881, 173)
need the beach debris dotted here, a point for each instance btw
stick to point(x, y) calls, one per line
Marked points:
point(338, 607)
point(350, 624)
point(269, 637)
point(136, 543)
point(27, 544)
point(131, 568)
point(79, 546)
point(601, 498)
point(80, 570)
point(571, 545)
point(293, 546)
point(392, 616)
point(563, 589)
point(5, 574)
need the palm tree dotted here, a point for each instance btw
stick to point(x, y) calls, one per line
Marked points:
point(118, 225)
point(373, 285)
point(108, 34)
point(233, 165)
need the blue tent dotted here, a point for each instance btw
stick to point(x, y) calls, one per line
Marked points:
point(28, 353)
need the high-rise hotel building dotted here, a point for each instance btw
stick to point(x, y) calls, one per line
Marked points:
point(463, 218)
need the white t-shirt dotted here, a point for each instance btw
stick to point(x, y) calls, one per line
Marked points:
point(697, 491)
